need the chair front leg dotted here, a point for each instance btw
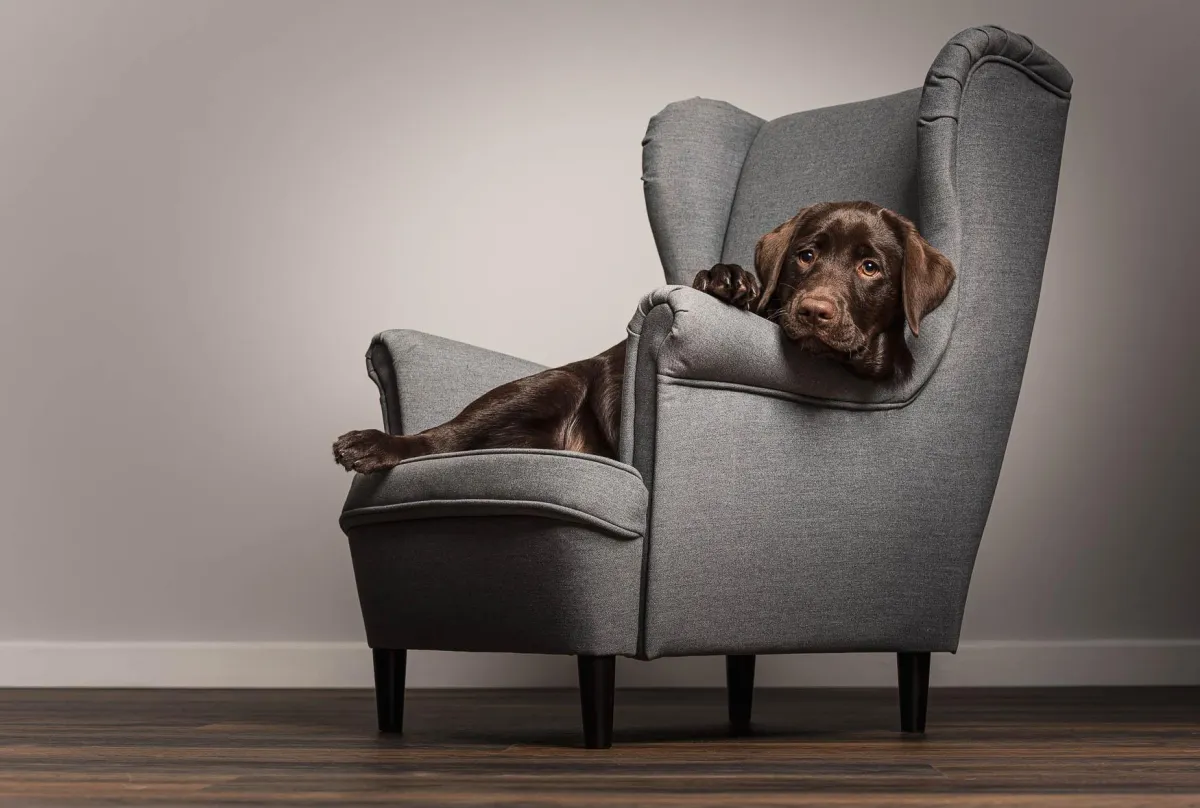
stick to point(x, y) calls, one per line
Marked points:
point(390, 665)
point(597, 692)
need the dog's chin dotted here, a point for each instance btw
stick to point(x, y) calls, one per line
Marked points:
point(878, 358)
point(845, 347)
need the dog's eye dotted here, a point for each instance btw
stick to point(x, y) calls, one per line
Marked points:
point(869, 268)
point(806, 256)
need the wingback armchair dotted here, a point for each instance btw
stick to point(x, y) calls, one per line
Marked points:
point(766, 501)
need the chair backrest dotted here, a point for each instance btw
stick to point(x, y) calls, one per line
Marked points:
point(717, 178)
point(866, 150)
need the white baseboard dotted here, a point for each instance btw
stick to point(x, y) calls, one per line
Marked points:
point(341, 664)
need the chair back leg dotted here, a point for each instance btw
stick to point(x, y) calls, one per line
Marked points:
point(739, 680)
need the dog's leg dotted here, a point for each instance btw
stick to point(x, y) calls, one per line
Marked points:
point(553, 409)
point(529, 413)
point(369, 450)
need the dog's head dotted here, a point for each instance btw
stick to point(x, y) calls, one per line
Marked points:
point(841, 279)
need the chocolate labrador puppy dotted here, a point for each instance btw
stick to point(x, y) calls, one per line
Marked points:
point(840, 278)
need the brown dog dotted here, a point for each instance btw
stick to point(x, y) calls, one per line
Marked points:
point(841, 279)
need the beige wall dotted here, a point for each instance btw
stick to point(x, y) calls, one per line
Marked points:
point(207, 209)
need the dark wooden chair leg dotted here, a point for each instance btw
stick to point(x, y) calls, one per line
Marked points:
point(389, 687)
point(597, 686)
point(913, 670)
point(739, 679)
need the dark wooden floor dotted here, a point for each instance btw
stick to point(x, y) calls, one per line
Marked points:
point(1077, 747)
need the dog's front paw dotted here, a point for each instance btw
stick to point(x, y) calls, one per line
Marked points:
point(366, 451)
point(729, 282)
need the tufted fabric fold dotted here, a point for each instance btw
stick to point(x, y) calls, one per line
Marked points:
point(951, 70)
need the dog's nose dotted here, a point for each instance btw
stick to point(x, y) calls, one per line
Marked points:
point(817, 309)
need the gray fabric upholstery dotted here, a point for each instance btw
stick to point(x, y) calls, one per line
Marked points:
point(573, 487)
point(790, 523)
point(521, 584)
point(691, 159)
point(425, 380)
point(500, 550)
point(783, 505)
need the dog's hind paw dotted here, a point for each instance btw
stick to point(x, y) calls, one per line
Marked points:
point(366, 451)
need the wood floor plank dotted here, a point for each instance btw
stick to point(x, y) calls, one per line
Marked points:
point(1067, 747)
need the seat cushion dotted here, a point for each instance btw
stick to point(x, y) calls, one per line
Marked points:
point(567, 486)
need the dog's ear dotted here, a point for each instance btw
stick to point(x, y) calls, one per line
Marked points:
point(927, 276)
point(769, 255)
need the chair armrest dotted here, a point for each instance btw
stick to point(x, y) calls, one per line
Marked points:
point(425, 380)
point(690, 338)
point(782, 485)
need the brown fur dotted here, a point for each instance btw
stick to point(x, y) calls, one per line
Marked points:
point(862, 317)
point(814, 278)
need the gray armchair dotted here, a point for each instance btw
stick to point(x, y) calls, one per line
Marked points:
point(767, 501)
